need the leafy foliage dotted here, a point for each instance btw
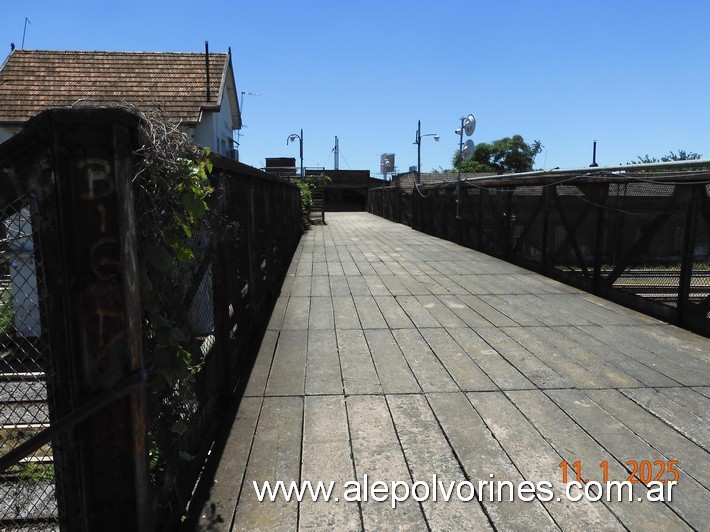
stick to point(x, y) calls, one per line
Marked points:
point(306, 186)
point(175, 228)
point(36, 473)
point(6, 311)
point(173, 188)
point(682, 155)
point(509, 154)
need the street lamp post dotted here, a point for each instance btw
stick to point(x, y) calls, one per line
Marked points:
point(292, 137)
point(418, 142)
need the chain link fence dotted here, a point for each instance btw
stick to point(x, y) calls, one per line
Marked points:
point(27, 490)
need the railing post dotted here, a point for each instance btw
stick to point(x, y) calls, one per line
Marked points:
point(695, 193)
point(546, 192)
point(599, 236)
point(94, 171)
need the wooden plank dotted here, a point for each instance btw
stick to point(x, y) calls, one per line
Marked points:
point(272, 458)
point(321, 314)
point(335, 269)
point(704, 390)
point(489, 313)
point(594, 313)
point(534, 369)
point(339, 286)
point(538, 461)
point(358, 286)
point(259, 375)
point(326, 457)
point(599, 362)
point(432, 286)
point(394, 284)
point(690, 499)
point(499, 370)
point(693, 400)
point(481, 454)
point(693, 460)
point(344, 313)
point(320, 269)
point(677, 415)
point(376, 286)
point(473, 284)
point(288, 372)
point(574, 444)
point(534, 305)
point(320, 286)
point(365, 269)
point(669, 337)
point(277, 315)
point(380, 268)
point(395, 317)
point(451, 286)
point(660, 340)
point(521, 316)
point(369, 313)
point(576, 375)
point(638, 317)
point(392, 368)
point(469, 316)
point(323, 364)
point(430, 373)
point(417, 312)
point(350, 268)
point(627, 344)
point(221, 503)
point(357, 366)
point(440, 312)
point(378, 454)
point(463, 370)
point(428, 453)
point(297, 313)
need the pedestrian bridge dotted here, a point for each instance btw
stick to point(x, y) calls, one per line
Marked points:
point(398, 357)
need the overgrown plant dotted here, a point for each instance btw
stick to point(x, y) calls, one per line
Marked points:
point(6, 311)
point(172, 192)
point(34, 473)
point(175, 230)
point(306, 185)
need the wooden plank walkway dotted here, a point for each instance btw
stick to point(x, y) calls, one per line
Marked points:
point(400, 356)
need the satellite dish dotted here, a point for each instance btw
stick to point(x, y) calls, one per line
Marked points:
point(469, 125)
point(467, 150)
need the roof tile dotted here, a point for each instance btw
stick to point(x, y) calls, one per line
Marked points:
point(34, 80)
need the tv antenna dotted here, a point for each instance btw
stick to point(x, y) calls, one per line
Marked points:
point(24, 31)
point(468, 126)
point(241, 113)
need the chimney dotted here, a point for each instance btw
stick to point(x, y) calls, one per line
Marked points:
point(207, 67)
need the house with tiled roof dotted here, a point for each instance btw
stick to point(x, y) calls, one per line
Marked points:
point(196, 89)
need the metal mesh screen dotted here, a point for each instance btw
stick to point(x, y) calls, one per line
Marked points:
point(27, 489)
point(644, 240)
point(700, 280)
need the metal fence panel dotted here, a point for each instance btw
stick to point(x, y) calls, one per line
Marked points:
point(27, 490)
point(643, 241)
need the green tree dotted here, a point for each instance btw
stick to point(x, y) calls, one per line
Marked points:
point(682, 155)
point(506, 155)
point(306, 185)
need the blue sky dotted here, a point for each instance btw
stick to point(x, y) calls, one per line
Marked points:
point(632, 74)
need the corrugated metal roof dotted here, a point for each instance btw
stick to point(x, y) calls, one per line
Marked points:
point(176, 83)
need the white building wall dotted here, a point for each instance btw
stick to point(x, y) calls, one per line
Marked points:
point(215, 130)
